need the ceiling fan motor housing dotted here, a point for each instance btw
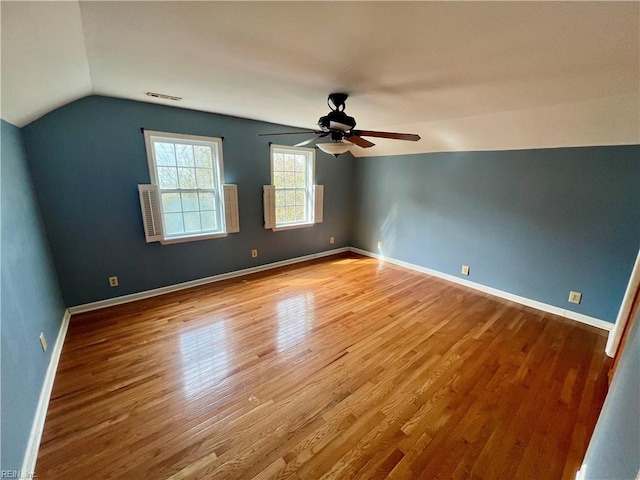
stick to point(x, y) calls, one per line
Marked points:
point(336, 121)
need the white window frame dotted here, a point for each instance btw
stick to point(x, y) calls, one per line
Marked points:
point(218, 187)
point(310, 195)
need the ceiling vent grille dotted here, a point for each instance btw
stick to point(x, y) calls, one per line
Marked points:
point(163, 96)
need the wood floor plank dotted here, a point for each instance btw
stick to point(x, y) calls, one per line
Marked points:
point(337, 368)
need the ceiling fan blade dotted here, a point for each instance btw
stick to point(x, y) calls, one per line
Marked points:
point(290, 133)
point(395, 136)
point(361, 142)
point(307, 142)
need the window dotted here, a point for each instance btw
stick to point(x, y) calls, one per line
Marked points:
point(186, 200)
point(292, 197)
point(292, 172)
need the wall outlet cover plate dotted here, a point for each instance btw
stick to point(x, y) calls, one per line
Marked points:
point(575, 297)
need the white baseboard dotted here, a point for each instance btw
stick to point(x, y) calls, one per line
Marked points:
point(31, 455)
point(594, 322)
point(87, 307)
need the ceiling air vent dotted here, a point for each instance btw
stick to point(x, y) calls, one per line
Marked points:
point(163, 96)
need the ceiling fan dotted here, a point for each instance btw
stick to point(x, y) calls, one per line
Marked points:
point(340, 128)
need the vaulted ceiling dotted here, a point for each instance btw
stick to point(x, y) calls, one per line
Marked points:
point(463, 75)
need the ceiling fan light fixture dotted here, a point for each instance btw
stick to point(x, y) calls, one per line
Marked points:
point(335, 148)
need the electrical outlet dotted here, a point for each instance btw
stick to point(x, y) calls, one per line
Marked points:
point(465, 270)
point(332, 240)
point(43, 342)
point(254, 253)
point(575, 297)
point(379, 245)
point(113, 281)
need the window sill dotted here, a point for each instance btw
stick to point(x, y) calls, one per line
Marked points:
point(192, 238)
point(293, 227)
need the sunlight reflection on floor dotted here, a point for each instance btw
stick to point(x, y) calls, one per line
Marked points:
point(295, 318)
point(204, 357)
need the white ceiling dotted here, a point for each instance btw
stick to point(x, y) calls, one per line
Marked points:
point(463, 75)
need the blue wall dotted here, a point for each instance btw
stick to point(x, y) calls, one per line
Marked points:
point(31, 299)
point(535, 223)
point(614, 449)
point(87, 159)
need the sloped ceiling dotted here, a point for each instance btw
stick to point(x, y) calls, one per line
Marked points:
point(463, 75)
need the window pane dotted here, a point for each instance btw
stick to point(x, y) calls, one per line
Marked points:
point(278, 161)
point(165, 154)
point(290, 196)
point(289, 214)
point(208, 220)
point(173, 223)
point(167, 177)
point(184, 155)
point(171, 202)
point(280, 215)
point(280, 198)
point(300, 214)
point(288, 162)
point(192, 222)
point(300, 197)
point(190, 202)
point(278, 179)
point(206, 201)
point(289, 179)
point(301, 161)
point(203, 156)
point(301, 179)
point(187, 177)
point(205, 177)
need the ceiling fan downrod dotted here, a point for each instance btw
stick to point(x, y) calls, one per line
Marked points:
point(336, 101)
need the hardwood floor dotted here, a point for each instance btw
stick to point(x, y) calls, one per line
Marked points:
point(337, 368)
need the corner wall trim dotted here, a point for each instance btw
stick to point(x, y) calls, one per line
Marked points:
point(615, 335)
point(87, 307)
point(594, 322)
point(33, 445)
